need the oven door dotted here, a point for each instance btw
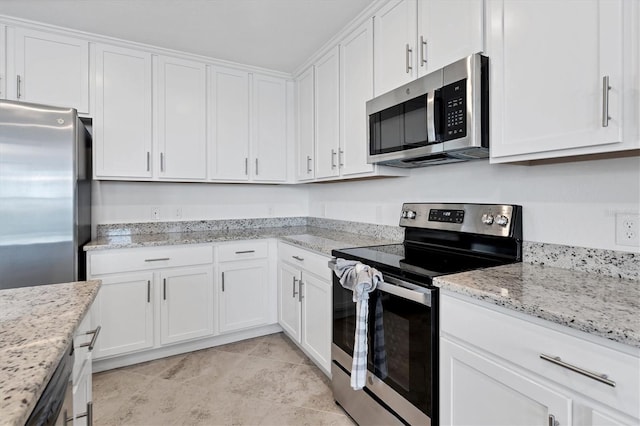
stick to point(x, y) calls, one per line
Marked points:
point(402, 346)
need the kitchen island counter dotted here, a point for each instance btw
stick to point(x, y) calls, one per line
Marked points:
point(37, 325)
point(592, 303)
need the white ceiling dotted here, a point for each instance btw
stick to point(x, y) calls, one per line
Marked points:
point(275, 34)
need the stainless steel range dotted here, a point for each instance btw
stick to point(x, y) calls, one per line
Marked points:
point(402, 376)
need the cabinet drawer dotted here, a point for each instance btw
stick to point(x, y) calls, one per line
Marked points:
point(305, 259)
point(522, 342)
point(243, 251)
point(126, 260)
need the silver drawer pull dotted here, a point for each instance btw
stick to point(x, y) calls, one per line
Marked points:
point(160, 259)
point(602, 378)
point(245, 251)
point(298, 258)
point(92, 343)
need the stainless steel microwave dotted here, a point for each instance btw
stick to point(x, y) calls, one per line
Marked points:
point(440, 118)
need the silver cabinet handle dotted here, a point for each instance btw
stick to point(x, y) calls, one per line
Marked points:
point(300, 296)
point(18, 84)
point(148, 160)
point(148, 291)
point(340, 155)
point(94, 339)
point(605, 101)
point(308, 164)
point(298, 258)
point(164, 288)
point(222, 281)
point(246, 165)
point(245, 251)
point(408, 58)
point(295, 293)
point(423, 51)
point(552, 420)
point(88, 414)
point(158, 259)
point(602, 378)
point(256, 167)
point(333, 158)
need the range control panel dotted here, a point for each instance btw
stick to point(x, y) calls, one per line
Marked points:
point(487, 219)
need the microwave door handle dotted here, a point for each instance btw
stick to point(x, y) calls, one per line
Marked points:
point(431, 123)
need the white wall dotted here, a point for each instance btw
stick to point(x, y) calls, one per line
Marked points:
point(118, 202)
point(569, 203)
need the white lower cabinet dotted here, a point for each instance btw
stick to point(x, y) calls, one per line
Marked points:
point(305, 300)
point(493, 371)
point(186, 310)
point(245, 286)
point(481, 391)
point(124, 309)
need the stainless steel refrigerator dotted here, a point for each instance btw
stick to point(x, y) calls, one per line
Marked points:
point(45, 194)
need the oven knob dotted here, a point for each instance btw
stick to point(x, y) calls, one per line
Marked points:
point(411, 214)
point(487, 219)
point(502, 220)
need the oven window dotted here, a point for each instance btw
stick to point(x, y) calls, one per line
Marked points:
point(401, 347)
point(400, 127)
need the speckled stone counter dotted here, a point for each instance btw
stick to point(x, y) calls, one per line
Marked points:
point(321, 240)
point(596, 304)
point(36, 326)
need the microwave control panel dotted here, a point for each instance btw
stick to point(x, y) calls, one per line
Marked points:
point(454, 105)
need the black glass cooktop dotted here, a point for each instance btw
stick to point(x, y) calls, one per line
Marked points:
point(416, 260)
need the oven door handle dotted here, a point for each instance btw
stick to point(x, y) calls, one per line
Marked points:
point(403, 289)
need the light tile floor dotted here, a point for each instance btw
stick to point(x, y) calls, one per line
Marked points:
point(261, 381)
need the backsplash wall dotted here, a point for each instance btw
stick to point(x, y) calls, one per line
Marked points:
point(571, 203)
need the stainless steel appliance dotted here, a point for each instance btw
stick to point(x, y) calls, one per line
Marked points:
point(45, 194)
point(402, 376)
point(440, 118)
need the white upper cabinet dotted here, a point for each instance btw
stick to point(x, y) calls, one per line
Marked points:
point(395, 27)
point(414, 38)
point(305, 155)
point(327, 114)
point(49, 69)
point(268, 162)
point(550, 64)
point(356, 88)
point(448, 30)
point(229, 124)
point(122, 119)
point(181, 119)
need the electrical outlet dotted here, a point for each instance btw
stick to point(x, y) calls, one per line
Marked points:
point(155, 213)
point(628, 229)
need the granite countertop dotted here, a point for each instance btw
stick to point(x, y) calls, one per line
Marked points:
point(596, 304)
point(36, 326)
point(321, 240)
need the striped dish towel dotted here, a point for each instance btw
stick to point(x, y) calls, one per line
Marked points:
point(361, 279)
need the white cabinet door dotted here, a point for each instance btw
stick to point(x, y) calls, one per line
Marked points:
point(124, 309)
point(243, 294)
point(51, 69)
point(480, 391)
point(289, 300)
point(181, 119)
point(186, 308)
point(268, 161)
point(356, 88)
point(448, 30)
point(316, 318)
point(229, 124)
point(395, 27)
point(305, 154)
point(122, 122)
point(327, 114)
point(547, 88)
